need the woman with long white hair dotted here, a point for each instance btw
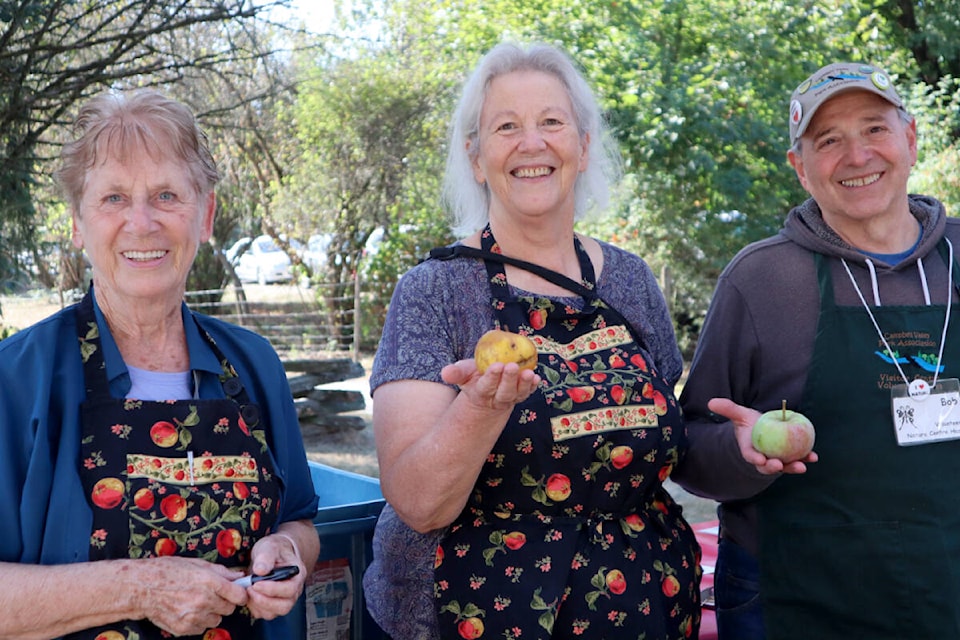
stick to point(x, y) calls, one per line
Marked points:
point(530, 503)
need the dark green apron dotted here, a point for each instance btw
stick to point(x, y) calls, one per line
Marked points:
point(866, 544)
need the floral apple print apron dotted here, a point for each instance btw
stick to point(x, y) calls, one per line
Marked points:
point(190, 478)
point(865, 544)
point(569, 532)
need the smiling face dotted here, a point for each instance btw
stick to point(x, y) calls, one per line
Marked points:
point(855, 159)
point(141, 221)
point(530, 150)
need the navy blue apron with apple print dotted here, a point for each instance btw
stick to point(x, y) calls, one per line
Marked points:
point(191, 478)
point(569, 532)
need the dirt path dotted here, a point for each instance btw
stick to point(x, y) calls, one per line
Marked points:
point(350, 449)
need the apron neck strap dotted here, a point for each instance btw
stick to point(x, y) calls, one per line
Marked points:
point(95, 370)
point(447, 253)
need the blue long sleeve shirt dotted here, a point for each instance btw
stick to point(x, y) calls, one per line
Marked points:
point(44, 515)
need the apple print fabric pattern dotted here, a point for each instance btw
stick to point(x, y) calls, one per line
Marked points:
point(188, 477)
point(569, 532)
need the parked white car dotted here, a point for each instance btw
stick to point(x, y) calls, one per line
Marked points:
point(318, 247)
point(260, 260)
point(315, 255)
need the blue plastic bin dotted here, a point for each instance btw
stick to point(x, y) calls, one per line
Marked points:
point(350, 504)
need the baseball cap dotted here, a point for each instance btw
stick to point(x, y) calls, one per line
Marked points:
point(831, 80)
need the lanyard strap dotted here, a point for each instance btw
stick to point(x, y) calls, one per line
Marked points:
point(946, 319)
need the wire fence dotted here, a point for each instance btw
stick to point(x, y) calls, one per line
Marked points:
point(322, 324)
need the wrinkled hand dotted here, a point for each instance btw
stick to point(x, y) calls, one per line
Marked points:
point(500, 387)
point(743, 419)
point(186, 596)
point(269, 599)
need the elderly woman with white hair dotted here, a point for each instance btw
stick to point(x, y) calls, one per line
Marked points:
point(530, 504)
point(150, 456)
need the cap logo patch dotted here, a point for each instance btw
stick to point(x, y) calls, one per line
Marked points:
point(796, 112)
point(838, 76)
point(880, 80)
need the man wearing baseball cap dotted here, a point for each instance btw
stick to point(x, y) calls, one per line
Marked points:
point(847, 314)
point(832, 80)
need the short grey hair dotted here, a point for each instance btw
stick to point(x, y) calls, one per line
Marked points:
point(119, 124)
point(468, 200)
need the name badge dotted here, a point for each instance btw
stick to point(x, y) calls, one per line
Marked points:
point(924, 414)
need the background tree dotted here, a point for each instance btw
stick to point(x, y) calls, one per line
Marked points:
point(56, 53)
point(696, 92)
point(349, 137)
point(367, 135)
point(240, 104)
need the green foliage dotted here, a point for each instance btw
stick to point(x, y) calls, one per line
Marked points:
point(696, 93)
point(367, 147)
point(938, 129)
point(351, 134)
point(56, 54)
point(403, 246)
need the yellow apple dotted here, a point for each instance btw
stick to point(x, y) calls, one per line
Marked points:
point(503, 346)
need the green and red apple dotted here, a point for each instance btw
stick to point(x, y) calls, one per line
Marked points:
point(558, 487)
point(634, 522)
point(144, 499)
point(470, 628)
point(783, 434)
point(616, 581)
point(670, 586)
point(228, 542)
point(107, 493)
point(164, 434)
point(165, 547)
point(174, 508)
point(621, 456)
point(514, 540)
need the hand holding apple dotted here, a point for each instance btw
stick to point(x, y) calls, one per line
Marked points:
point(742, 420)
point(497, 388)
point(503, 346)
point(783, 434)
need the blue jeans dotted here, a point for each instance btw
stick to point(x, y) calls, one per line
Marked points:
point(737, 591)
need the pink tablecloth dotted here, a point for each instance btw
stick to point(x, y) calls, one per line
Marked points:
point(707, 537)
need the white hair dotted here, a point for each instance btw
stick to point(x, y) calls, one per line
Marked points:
point(468, 200)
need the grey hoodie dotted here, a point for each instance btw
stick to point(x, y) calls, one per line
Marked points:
point(757, 341)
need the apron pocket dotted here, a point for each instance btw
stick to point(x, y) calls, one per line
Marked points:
point(852, 581)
